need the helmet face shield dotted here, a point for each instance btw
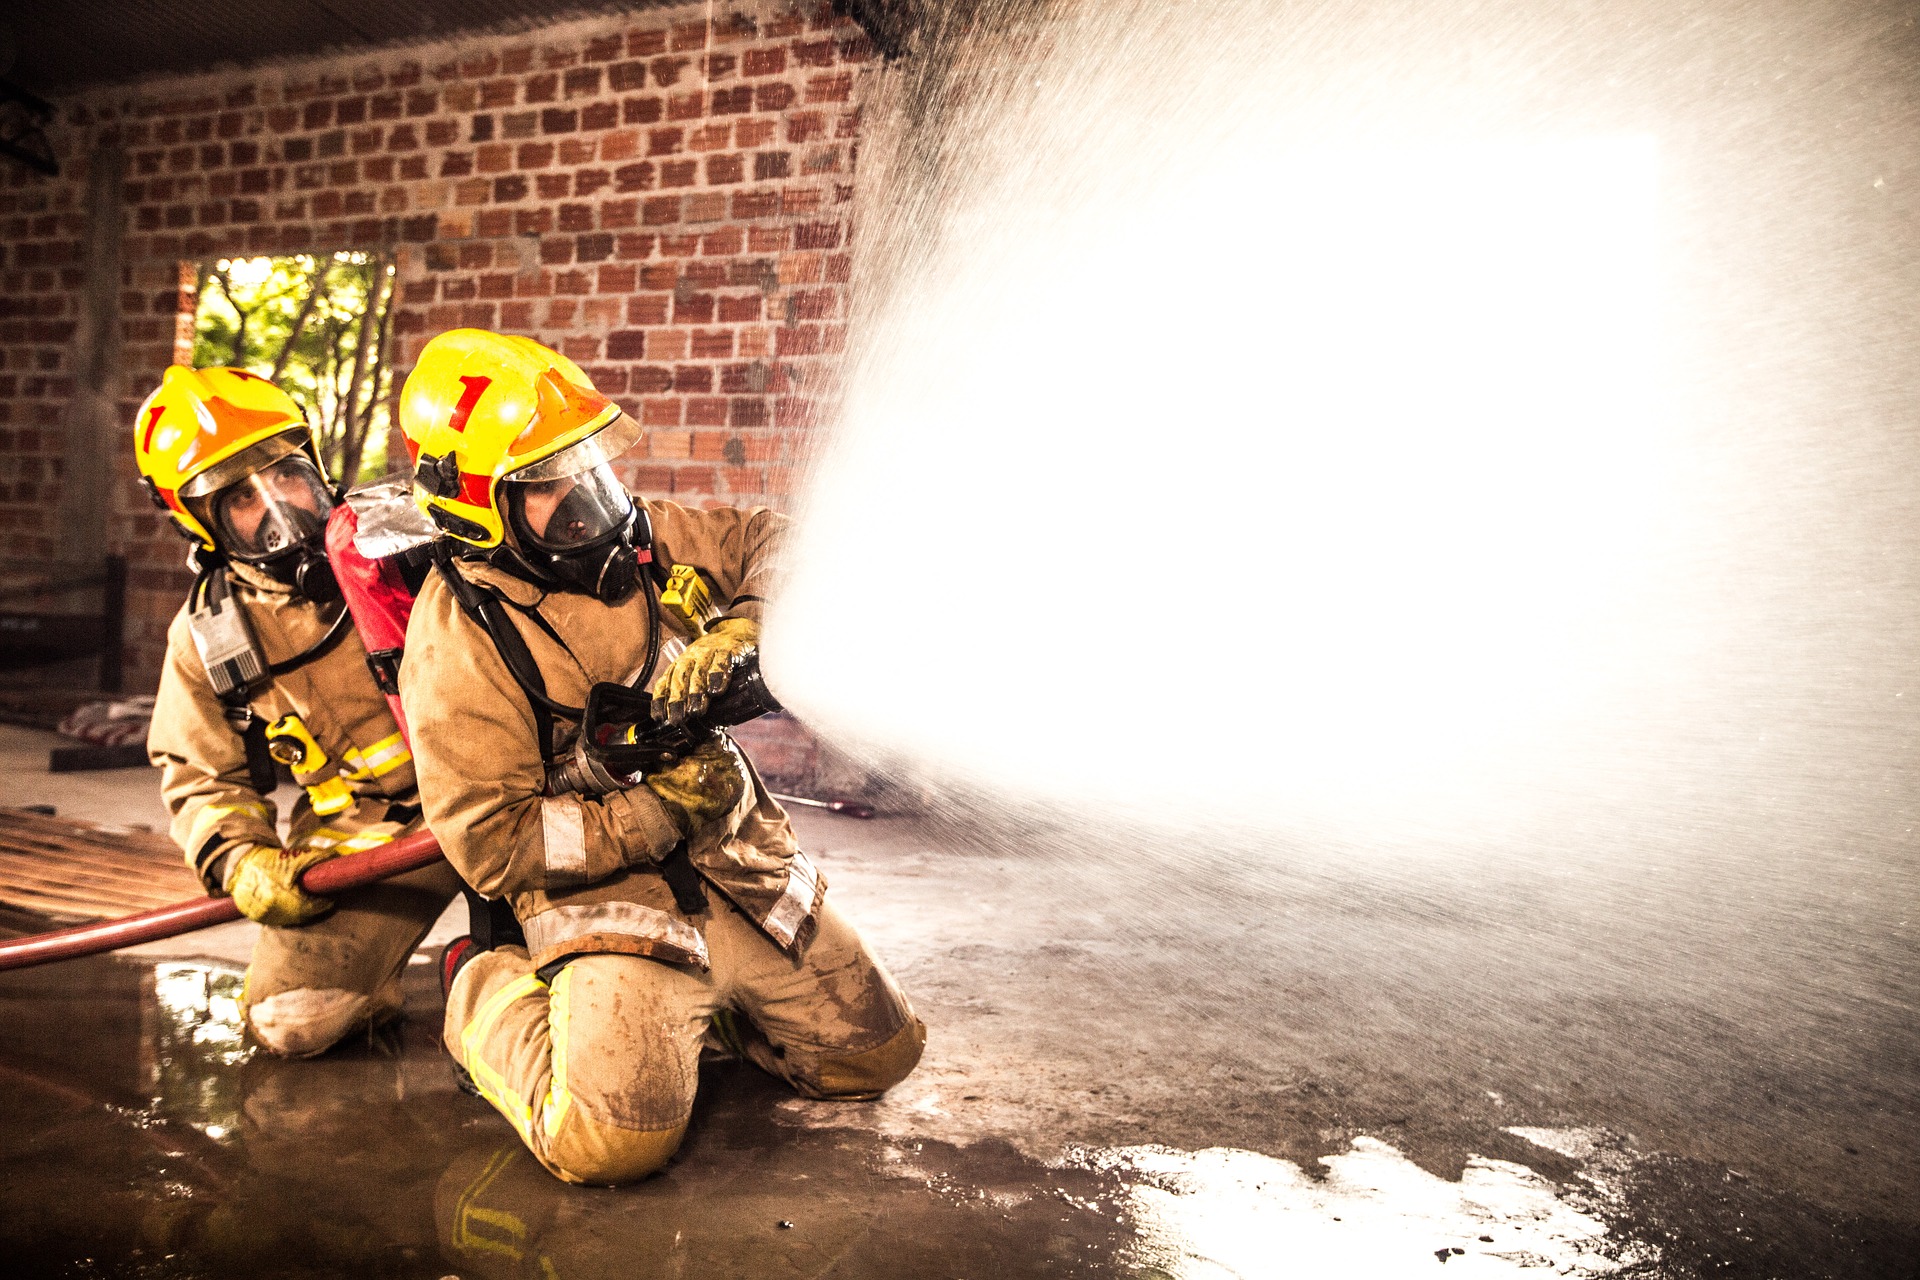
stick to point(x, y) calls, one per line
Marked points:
point(597, 450)
point(269, 512)
point(570, 512)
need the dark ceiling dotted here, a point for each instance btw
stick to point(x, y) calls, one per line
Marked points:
point(56, 46)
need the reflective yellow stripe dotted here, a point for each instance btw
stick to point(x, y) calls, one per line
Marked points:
point(559, 1008)
point(349, 842)
point(493, 1085)
point(386, 755)
point(356, 766)
point(467, 1214)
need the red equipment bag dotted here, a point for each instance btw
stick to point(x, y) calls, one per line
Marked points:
point(379, 588)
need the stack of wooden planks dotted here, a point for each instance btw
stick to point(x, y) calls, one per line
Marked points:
point(78, 871)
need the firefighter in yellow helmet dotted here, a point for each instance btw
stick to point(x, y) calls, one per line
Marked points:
point(264, 671)
point(653, 910)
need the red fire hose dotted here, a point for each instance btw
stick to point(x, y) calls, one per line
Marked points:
point(408, 853)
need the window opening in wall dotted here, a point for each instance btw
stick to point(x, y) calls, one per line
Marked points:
point(321, 326)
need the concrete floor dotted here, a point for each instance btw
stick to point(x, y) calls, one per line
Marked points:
point(1148, 1067)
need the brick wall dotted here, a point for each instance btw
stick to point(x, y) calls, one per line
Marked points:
point(661, 197)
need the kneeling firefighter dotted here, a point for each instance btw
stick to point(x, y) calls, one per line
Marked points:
point(654, 909)
point(264, 670)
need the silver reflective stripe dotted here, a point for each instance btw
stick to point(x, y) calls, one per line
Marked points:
point(788, 914)
point(563, 835)
point(557, 926)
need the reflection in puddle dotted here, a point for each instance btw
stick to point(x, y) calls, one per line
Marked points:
point(1228, 1213)
point(210, 1158)
point(193, 1032)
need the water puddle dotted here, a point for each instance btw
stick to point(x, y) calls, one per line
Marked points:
point(1207, 1215)
point(149, 1138)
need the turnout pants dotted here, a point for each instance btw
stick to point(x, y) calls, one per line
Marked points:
point(597, 1073)
point(310, 985)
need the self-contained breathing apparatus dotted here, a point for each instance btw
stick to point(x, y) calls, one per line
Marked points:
point(619, 742)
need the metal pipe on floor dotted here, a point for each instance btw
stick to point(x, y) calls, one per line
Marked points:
point(408, 853)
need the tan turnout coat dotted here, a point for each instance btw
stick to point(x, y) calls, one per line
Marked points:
point(203, 760)
point(580, 872)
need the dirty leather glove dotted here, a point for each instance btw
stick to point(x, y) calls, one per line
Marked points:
point(699, 788)
point(264, 883)
point(703, 669)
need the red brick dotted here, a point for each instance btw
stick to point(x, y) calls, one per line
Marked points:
point(776, 96)
point(725, 169)
point(667, 71)
point(603, 48)
point(644, 44)
point(705, 411)
point(627, 344)
point(646, 309)
point(634, 177)
point(817, 235)
point(837, 88)
point(678, 173)
point(581, 82)
point(696, 308)
point(748, 205)
point(554, 186)
point(751, 133)
point(542, 88)
point(764, 62)
point(618, 214)
point(660, 211)
point(712, 344)
point(740, 308)
point(599, 115)
point(634, 247)
point(803, 340)
point(653, 380)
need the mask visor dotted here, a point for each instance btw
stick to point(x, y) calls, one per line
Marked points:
point(271, 511)
point(566, 513)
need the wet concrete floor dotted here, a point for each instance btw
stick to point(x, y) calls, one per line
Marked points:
point(1160, 1069)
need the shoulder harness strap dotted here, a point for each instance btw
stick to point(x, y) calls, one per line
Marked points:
point(490, 615)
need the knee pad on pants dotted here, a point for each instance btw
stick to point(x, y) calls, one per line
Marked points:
point(871, 1072)
point(606, 1155)
point(308, 1020)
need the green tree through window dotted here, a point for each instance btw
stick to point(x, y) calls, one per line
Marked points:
point(320, 325)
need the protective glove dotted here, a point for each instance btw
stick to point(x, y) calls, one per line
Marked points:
point(264, 884)
point(703, 669)
point(699, 788)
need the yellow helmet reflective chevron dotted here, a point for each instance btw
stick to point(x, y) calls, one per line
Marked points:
point(190, 433)
point(479, 406)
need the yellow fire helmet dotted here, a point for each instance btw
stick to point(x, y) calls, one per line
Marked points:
point(483, 407)
point(204, 429)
